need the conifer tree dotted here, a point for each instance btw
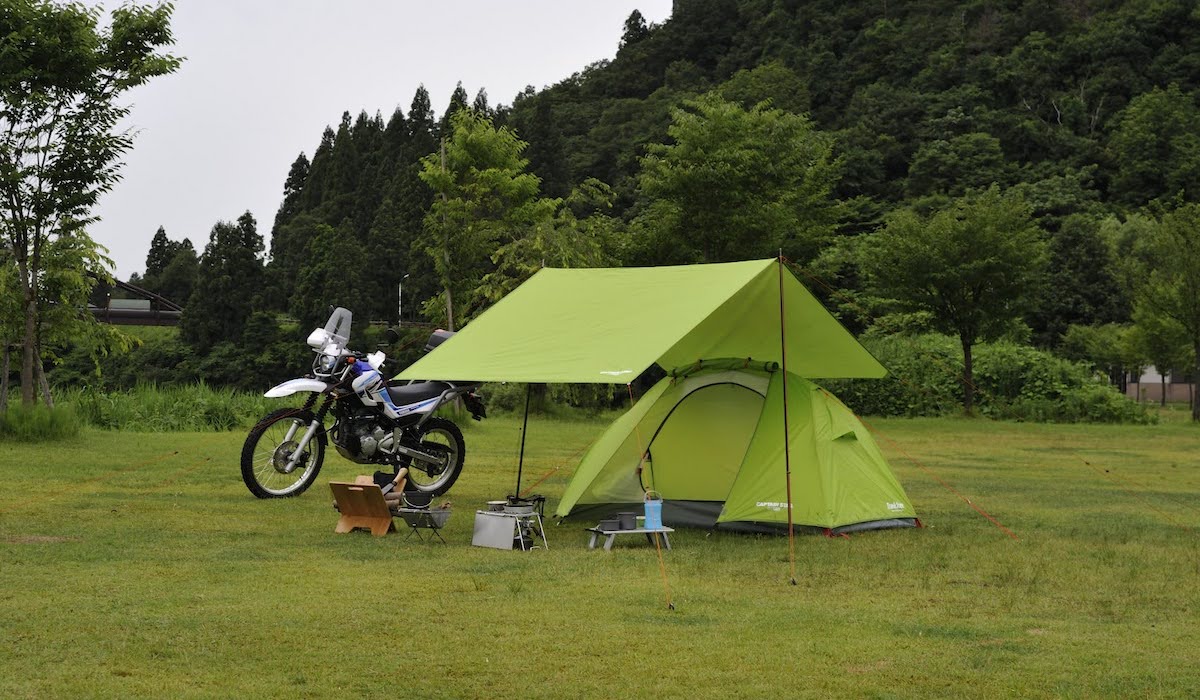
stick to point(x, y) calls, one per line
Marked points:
point(458, 100)
point(635, 29)
point(297, 177)
point(421, 124)
point(330, 276)
point(480, 105)
point(161, 252)
point(178, 278)
point(286, 245)
point(313, 193)
point(228, 285)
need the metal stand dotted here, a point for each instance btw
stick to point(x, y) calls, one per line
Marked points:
point(419, 519)
point(509, 530)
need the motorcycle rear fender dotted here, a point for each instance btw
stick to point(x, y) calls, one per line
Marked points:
point(295, 386)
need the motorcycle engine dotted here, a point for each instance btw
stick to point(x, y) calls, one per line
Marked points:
point(361, 439)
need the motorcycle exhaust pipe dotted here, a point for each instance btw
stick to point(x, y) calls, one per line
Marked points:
point(417, 454)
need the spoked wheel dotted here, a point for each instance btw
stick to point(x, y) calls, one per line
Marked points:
point(267, 465)
point(443, 439)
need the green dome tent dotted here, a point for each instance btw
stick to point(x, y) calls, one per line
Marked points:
point(610, 325)
point(713, 441)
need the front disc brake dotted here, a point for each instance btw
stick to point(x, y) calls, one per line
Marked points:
point(283, 455)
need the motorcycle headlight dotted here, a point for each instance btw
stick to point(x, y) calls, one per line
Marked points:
point(325, 363)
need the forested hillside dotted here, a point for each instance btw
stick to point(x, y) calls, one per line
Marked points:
point(741, 127)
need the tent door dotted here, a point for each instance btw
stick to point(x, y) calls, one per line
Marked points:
point(696, 453)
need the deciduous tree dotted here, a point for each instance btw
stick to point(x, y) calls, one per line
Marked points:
point(736, 184)
point(576, 233)
point(483, 198)
point(1166, 280)
point(62, 74)
point(1164, 342)
point(975, 266)
point(1156, 147)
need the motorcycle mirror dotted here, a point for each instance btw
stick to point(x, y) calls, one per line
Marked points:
point(393, 335)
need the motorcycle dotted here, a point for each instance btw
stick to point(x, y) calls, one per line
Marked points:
point(374, 421)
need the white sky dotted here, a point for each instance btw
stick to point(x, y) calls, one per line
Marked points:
point(263, 78)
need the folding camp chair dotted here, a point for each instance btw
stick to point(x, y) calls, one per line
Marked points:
point(361, 505)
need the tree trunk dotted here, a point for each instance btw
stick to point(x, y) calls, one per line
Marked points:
point(45, 385)
point(29, 352)
point(446, 252)
point(1196, 378)
point(28, 279)
point(4, 368)
point(1163, 379)
point(968, 379)
point(449, 302)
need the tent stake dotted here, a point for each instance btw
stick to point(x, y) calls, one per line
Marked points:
point(787, 462)
point(524, 426)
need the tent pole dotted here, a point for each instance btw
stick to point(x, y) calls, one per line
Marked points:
point(787, 461)
point(524, 425)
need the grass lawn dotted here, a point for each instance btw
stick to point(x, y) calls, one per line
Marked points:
point(139, 565)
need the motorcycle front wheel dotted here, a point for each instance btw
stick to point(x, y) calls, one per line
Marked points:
point(442, 438)
point(268, 450)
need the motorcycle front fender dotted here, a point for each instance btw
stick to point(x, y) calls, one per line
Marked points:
point(296, 386)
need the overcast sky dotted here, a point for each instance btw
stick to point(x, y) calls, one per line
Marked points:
point(262, 79)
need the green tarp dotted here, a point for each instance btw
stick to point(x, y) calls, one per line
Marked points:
point(609, 325)
point(714, 430)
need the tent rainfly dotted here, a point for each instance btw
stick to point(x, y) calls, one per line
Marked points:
point(714, 426)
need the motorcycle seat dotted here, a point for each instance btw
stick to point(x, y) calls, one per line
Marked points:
point(412, 393)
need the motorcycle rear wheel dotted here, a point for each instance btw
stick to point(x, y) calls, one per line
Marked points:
point(442, 437)
point(268, 449)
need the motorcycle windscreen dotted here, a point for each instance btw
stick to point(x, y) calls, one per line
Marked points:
point(338, 326)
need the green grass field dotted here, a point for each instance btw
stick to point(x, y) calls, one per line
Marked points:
point(138, 565)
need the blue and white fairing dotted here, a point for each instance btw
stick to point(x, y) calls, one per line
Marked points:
point(371, 388)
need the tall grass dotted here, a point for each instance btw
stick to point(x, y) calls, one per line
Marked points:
point(196, 407)
point(191, 408)
point(39, 422)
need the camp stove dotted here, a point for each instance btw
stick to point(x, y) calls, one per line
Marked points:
point(525, 504)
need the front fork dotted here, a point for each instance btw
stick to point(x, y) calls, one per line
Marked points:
point(316, 423)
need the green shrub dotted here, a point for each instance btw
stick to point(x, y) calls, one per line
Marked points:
point(39, 423)
point(549, 399)
point(922, 378)
point(1014, 382)
point(1092, 403)
point(268, 353)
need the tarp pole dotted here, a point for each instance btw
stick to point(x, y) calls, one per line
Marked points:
point(662, 565)
point(787, 461)
point(524, 425)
